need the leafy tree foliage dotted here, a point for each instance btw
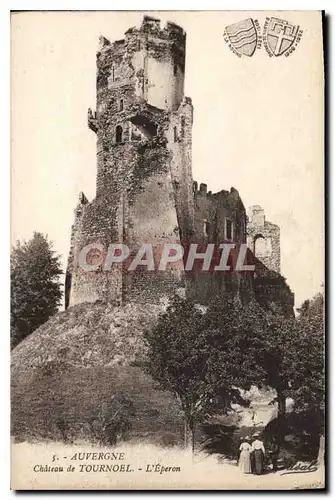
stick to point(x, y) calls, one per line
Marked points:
point(278, 341)
point(292, 357)
point(234, 334)
point(177, 359)
point(35, 289)
point(204, 357)
point(309, 379)
point(272, 292)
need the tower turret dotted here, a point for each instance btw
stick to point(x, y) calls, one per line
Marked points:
point(143, 125)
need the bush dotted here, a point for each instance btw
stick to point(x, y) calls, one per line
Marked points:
point(112, 421)
point(301, 441)
point(221, 439)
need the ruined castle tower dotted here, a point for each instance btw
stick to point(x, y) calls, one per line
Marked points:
point(143, 126)
point(263, 238)
point(145, 193)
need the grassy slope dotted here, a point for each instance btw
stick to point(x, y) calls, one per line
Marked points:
point(80, 359)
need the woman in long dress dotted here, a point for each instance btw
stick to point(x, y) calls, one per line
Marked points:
point(244, 462)
point(258, 455)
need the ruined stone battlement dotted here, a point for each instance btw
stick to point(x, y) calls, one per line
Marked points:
point(201, 190)
point(263, 238)
point(150, 62)
point(151, 26)
point(219, 216)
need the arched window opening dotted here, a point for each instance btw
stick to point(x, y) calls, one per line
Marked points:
point(175, 69)
point(262, 246)
point(118, 134)
point(175, 134)
point(121, 105)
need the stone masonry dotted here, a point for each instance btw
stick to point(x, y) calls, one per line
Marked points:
point(263, 238)
point(145, 192)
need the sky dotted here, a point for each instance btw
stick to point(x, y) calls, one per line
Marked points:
point(258, 125)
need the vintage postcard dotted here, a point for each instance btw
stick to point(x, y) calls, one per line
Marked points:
point(167, 263)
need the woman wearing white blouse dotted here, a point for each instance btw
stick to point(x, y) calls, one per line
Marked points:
point(258, 455)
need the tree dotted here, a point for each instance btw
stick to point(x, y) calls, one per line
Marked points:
point(308, 376)
point(292, 357)
point(177, 360)
point(203, 357)
point(234, 333)
point(295, 350)
point(272, 349)
point(309, 383)
point(271, 291)
point(206, 357)
point(278, 343)
point(35, 289)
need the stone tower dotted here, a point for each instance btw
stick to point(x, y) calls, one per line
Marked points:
point(263, 238)
point(143, 126)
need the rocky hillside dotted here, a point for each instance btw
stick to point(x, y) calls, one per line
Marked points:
point(77, 363)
